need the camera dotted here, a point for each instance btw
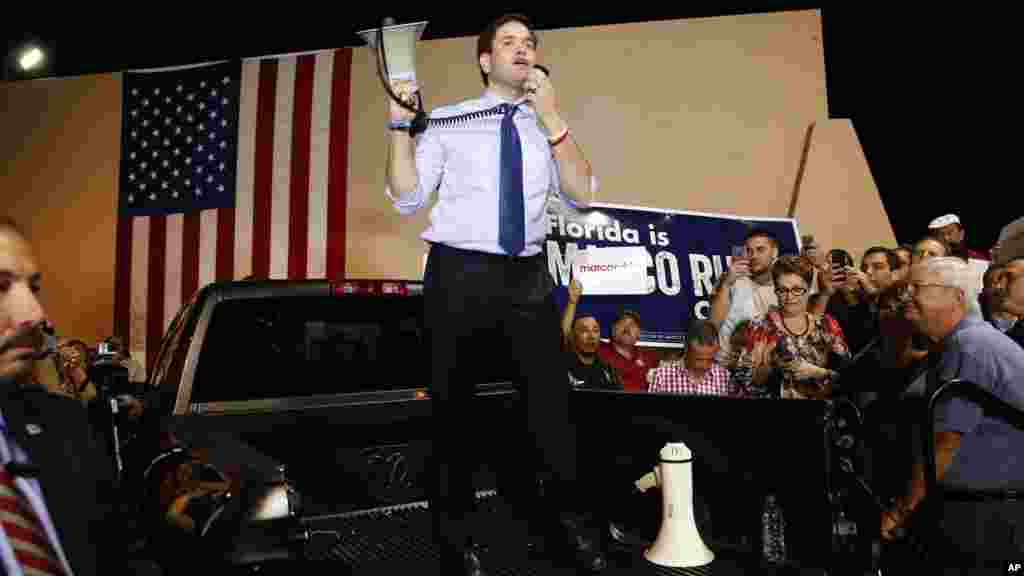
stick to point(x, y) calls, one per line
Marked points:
point(106, 370)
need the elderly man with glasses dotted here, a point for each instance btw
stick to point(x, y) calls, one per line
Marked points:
point(973, 450)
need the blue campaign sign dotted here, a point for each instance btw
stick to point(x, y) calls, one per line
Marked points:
point(686, 252)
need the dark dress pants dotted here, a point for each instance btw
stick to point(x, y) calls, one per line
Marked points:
point(484, 308)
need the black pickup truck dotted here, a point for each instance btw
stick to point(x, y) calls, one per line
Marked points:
point(307, 403)
point(319, 384)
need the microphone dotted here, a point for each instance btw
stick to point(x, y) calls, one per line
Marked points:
point(23, 469)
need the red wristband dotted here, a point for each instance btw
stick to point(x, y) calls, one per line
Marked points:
point(558, 139)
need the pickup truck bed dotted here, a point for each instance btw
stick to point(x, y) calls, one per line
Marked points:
point(329, 381)
point(396, 540)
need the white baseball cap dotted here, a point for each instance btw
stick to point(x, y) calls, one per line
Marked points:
point(943, 221)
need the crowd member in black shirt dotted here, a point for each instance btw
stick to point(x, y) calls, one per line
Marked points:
point(586, 370)
point(854, 294)
point(888, 382)
point(581, 336)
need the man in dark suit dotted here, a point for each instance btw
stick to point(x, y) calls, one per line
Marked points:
point(55, 482)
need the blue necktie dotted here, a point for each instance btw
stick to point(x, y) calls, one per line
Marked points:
point(512, 213)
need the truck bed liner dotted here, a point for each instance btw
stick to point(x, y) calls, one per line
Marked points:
point(396, 540)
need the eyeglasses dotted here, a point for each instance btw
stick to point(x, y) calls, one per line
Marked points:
point(795, 291)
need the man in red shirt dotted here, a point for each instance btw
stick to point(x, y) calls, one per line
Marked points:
point(630, 362)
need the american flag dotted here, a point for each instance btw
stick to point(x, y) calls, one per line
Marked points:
point(228, 170)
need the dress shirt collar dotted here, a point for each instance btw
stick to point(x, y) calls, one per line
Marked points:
point(491, 97)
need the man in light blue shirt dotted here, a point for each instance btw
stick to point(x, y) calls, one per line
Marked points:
point(495, 162)
point(975, 449)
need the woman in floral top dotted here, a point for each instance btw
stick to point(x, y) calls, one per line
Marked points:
point(787, 352)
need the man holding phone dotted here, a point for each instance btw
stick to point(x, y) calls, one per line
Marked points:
point(495, 162)
point(746, 290)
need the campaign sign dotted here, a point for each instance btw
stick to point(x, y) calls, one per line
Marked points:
point(661, 264)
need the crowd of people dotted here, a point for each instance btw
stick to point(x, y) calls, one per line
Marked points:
point(883, 335)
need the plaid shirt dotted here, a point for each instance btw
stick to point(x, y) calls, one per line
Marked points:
point(674, 378)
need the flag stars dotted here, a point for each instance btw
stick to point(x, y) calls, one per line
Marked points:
point(142, 186)
point(221, 166)
point(179, 109)
point(220, 188)
point(226, 80)
point(223, 144)
point(202, 127)
point(199, 169)
point(210, 157)
point(145, 102)
point(224, 101)
point(177, 151)
point(167, 100)
point(152, 175)
point(188, 161)
point(143, 165)
point(167, 121)
point(190, 118)
point(156, 133)
point(135, 91)
point(202, 105)
point(145, 123)
point(152, 196)
point(166, 163)
point(202, 84)
point(180, 88)
point(188, 139)
point(177, 129)
point(135, 113)
point(213, 114)
point(132, 155)
point(176, 172)
point(209, 179)
point(156, 92)
point(199, 191)
point(144, 144)
point(174, 194)
point(131, 177)
point(163, 185)
point(156, 112)
point(190, 97)
point(213, 93)
point(131, 198)
point(155, 154)
point(188, 182)
point(167, 141)
point(213, 136)
point(200, 148)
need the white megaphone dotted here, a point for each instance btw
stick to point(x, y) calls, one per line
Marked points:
point(678, 544)
point(395, 54)
point(399, 46)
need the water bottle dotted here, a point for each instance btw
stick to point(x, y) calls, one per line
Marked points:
point(773, 532)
